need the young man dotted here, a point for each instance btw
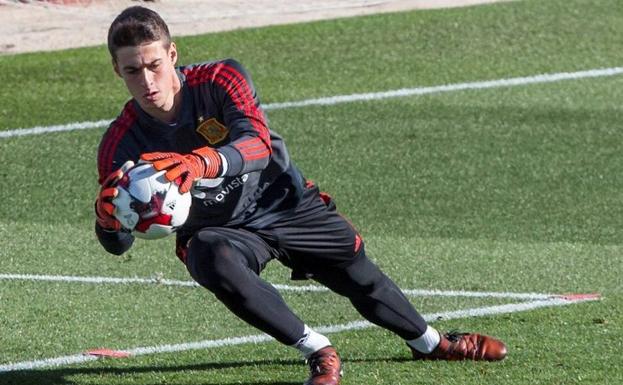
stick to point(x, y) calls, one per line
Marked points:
point(203, 124)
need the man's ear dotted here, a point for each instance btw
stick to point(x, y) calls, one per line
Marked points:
point(173, 53)
point(115, 67)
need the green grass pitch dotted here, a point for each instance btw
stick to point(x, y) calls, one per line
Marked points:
point(507, 189)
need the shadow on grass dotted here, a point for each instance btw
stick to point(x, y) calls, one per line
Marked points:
point(62, 376)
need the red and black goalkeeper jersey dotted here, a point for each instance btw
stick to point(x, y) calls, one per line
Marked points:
point(220, 109)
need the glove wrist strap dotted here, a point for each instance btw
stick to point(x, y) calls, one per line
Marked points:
point(211, 160)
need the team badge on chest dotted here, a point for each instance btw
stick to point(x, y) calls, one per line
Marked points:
point(212, 130)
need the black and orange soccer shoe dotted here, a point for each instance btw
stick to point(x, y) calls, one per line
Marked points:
point(465, 346)
point(325, 367)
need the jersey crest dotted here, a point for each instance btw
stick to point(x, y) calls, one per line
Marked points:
point(212, 130)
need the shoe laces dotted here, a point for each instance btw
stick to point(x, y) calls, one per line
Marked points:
point(455, 335)
point(468, 347)
point(322, 363)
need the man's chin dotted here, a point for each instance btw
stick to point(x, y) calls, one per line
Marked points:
point(151, 105)
point(156, 110)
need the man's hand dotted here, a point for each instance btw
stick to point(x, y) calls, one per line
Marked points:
point(104, 208)
point(204, 162)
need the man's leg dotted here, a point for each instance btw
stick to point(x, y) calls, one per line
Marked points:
point(326, 247)
point(381, 302)
point(373, 294)
point(225, 261)
point(318, 242)
point(221, 261)
point(228, 262)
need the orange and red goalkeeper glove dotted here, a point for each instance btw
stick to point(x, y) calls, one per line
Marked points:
point(204, 162)
point(104, 208)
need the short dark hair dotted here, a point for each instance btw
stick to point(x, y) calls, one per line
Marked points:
point(135, 26)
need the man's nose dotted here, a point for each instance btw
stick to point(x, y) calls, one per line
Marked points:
point(147, 77)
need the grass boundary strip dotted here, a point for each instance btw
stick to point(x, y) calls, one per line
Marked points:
point(339, 99)
point(282, 287)
point(259, 338)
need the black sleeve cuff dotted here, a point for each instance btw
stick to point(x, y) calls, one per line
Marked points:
point(114, 242)
point(233, 158)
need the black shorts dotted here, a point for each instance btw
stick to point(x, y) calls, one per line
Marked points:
point(313, 236)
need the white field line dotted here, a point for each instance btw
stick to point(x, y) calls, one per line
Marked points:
point(258, 338)
point(510, 82)
point(57, 128)
point(332, 100)
point(306, 288)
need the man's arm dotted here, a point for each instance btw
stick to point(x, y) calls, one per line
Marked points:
point(111, 236)
point(249, 148)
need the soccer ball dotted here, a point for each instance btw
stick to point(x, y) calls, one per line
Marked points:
point(148, 204)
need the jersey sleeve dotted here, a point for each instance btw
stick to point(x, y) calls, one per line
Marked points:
point(112, 155)
point(112, 152)
point(249, 148)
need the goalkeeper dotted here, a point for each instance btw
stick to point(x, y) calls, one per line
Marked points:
point(204, 125)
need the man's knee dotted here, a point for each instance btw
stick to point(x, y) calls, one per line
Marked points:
point(359, 277)
point(212, 259)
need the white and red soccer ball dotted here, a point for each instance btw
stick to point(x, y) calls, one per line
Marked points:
point(148, 204)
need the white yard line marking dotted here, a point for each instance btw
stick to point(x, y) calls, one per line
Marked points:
point(96, 280)
point(305, 288)
point(57, 128)
point(332, 100)
point(258, 338)
point(510, 82)
point(476, 294)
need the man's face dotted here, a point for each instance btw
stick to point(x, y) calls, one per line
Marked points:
point(148, 71)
